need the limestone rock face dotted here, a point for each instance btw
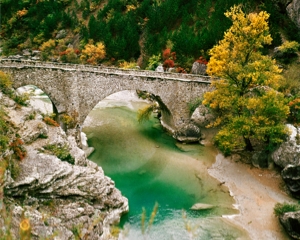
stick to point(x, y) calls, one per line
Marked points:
point(55, 195)
point(79, 195)
point(293, 10)
point(32, 130)
point(291, 223)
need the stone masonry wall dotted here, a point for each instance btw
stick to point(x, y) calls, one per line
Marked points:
point(78, 88)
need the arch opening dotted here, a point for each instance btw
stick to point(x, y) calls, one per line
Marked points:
point(38, 99)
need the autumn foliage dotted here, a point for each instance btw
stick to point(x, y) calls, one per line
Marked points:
point(169, 58)
point(244, 96)
point(93, 54)
point(50, 121)
point(17, 147)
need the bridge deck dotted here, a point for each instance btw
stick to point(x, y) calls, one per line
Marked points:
point(11, 63)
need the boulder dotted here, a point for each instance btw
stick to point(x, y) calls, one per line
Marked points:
point(288, 152)
point(79, 195)
point(202, 116)
point(291, 223)
point(291, 176)
point(260, 159)
point(189, 133)
point(159, 68)
point(199, 68)
point(61, 34)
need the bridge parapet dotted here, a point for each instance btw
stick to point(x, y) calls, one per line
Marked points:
point(11, 63)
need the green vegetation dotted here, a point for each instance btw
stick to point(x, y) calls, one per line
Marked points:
point(287, 52)
point(281, 208)
point(62, 152)
point(194, 104)
point(129, 29)
point(246, 99)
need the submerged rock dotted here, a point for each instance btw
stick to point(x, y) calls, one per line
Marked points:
point(202, 206)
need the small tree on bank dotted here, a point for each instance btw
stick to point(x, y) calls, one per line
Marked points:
point(245, 97)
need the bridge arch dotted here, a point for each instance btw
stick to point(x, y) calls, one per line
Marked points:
point(78, 88)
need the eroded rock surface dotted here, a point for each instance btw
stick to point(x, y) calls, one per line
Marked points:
point(287, 156)
point(291, 223)
point(60, 199)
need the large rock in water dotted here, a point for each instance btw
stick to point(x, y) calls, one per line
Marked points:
point(189, 133)
point(291, 223)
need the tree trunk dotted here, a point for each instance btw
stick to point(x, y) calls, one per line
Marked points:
point(248, 144)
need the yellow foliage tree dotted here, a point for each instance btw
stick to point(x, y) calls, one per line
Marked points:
point(93, 54)
point(244, 85)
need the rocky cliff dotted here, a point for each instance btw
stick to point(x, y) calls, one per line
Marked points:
point(61, 200)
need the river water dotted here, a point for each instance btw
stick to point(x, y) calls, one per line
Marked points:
point(149, 167)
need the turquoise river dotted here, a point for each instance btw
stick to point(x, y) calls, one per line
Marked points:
point(149, 166)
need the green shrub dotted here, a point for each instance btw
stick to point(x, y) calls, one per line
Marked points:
point(194, 104)
point(4, 128)
point(5, 82)
point(287, 52)
point(14, 168)
point(22, 99)
point(281, 208)
point(62, 152)
point(153, 62)
point(291, 85)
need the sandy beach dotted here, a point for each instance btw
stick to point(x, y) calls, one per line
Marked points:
point(256, 191)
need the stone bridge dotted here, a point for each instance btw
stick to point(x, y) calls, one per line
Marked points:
point(78, 88)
